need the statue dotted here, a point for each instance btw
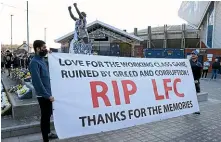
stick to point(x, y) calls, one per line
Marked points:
point(80, 43)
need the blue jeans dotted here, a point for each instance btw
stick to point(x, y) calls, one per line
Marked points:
point(214, 73)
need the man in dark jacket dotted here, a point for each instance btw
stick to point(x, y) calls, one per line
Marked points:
point(3, 60)
point(8, 61)
point(41, 82)
point(197, 71)
point(16, 62)
point(215, 69)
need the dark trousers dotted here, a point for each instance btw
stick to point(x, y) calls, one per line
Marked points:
point(46, 112)
point(204, 73)
point(214, 73)
point(197, 85)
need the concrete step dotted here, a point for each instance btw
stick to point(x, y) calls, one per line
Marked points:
point(12, 127)
point(203, 96)
point(21, 108)
point(36, 137)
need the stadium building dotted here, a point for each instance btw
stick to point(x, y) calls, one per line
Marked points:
point(168, 41)
point(202, 33)
point(205, 16)
point(107, 40)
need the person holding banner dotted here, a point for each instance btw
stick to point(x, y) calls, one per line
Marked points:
point(197, 71)
point(41, 82)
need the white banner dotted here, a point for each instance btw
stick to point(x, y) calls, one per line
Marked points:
point(97, 93)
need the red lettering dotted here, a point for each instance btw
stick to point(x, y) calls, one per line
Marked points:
point(177, 80)
point(95, 94)
point(116, 93)
point(167, 88)
point(157, 96)
point(127, 93)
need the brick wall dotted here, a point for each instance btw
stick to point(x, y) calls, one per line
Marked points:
point(138, 51)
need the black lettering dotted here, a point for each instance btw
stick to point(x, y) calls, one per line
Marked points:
point(91, 120)
point(100, 119)
point(159, 110)
point(117, 64)
point(116, 117)
point(71, 74)
point(155, 110)
point(95, 74)
point(176, 106)
point(130, 113)
point(60, 62)
point(122, 113)
point(124, 64)
point(103, 73)
point(109, 117)
point(166, 108)
point(67, 62)
point(137, 113)
point(149, 109)
point(183, 105)
point(191, 105)
point(100, 64)
point(143, 112)
point(142, 74)
point(121, 74)
point(88, 63)
point(74, 62)
point(83, 120)
point(107, 63)
point(94, 64)
point(82, 73)
point(89, 74)
point(81, 63)
point(156, 64)
point(64, 74)
point(171, 107)
point(135, 74)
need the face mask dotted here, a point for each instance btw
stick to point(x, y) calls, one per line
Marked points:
point(43, 53)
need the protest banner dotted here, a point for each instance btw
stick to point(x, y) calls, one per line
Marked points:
point(97, 93)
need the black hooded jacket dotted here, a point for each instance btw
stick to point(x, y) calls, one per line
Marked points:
point(196, 69)
point(216, 65)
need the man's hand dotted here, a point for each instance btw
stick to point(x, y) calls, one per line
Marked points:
point(51, 98)
point(75, 4)
point(69, 7)
point(196, 81)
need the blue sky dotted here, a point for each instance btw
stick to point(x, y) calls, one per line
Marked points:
point(53, 15)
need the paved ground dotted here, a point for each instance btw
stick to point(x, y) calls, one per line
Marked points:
point(190, 128)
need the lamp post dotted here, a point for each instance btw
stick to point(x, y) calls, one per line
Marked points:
point(45, 34)
point(11, 32)
point(27, 28)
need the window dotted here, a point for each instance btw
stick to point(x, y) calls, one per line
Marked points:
point(210, 21)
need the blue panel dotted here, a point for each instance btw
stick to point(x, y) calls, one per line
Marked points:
point(159, 53)
point(169, 53)
point(153, 53)
point(104, 53)
point(210, 36)
point(179, 54)
point(174, 53)
point(114, 49)
point(148, 53)
point(164, 53)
